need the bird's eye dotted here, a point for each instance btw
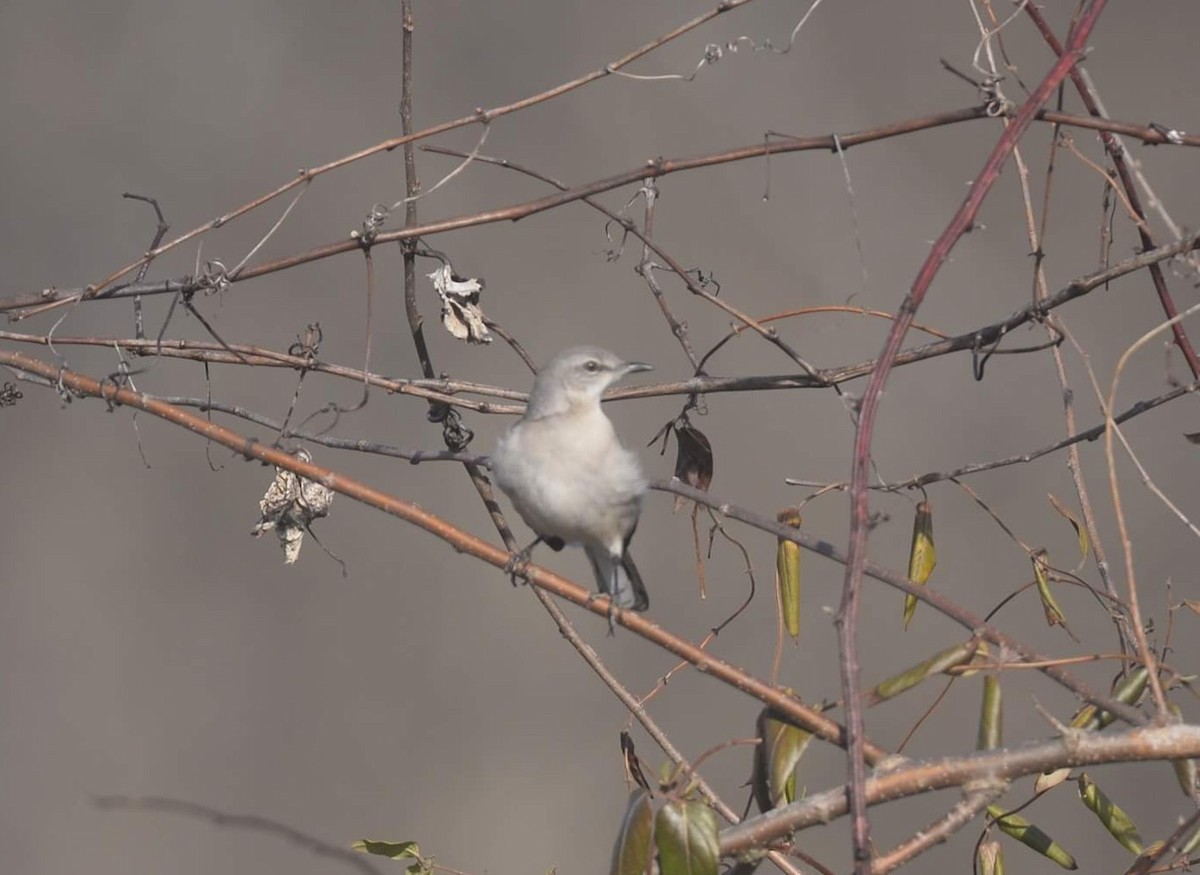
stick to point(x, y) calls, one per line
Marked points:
point(591, 366)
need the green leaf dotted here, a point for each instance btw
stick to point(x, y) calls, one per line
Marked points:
point(922, 557)
point(686, 835)
point(391, 850)
point(631, 852)
point(787, 566)
point(775, 760)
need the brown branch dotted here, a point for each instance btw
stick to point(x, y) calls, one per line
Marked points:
point(32, 304)
point(478, 116)
point(412, 187)
point(43, 300)
point(440, 390)
point(1004, 765)
point(1117, 152)
point(846, 620)
point(49, 375)
point(931, 596)
point(462, 541)
point(976, 338)
point(971, 805)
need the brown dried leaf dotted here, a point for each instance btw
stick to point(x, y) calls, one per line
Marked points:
point(694, 462)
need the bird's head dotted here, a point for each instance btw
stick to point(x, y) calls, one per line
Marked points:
point(577, 377)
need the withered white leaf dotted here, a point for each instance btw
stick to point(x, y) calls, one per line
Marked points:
point(289, 506)
point(461, 314)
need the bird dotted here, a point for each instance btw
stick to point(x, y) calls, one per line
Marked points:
point(568, 475)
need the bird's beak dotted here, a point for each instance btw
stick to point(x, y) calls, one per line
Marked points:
point(634, 367)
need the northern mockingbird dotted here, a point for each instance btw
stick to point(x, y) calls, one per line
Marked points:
point(567, 474)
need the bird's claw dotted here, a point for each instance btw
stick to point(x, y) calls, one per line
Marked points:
point(611, 613)
point(517, 567)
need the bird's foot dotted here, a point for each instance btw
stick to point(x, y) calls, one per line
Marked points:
point(517, 566)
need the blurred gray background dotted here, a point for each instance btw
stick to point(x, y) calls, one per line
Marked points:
point(150, 647)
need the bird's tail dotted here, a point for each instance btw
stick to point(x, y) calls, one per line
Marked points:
point(620, 580)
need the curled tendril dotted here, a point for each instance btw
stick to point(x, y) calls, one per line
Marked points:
point(371, 225)
point(455, 432)
point(214, 276)
point(309, 343)
point(9, 395)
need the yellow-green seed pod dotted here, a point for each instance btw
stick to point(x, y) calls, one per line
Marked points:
point(1185, 769)
point(922, 557)
point(1087, 717)
point(910, 677)
point(1032, 837)
point(1041, 567)
point(1190, 844)
point(1128, 691)
point(991, 717)
point(981, 656)
point(1119, 824)
point(787, 566)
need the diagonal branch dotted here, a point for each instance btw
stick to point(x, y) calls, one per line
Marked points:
point(847, 616)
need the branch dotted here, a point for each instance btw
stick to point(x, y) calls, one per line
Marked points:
point(1005, 765)
point(462, 541)
point(41, 301)
point(847, 616)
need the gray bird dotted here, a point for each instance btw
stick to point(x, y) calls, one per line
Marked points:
point(567, 474)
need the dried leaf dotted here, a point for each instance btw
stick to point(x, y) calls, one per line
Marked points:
point(461, 313)
point(633, 766)
point(991, 858)
point(1041, 574)
point(1080, 531)
point(1049, 780)
point(694, 460)
point(289, 506)
point(922, 557)
point(787, 567)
